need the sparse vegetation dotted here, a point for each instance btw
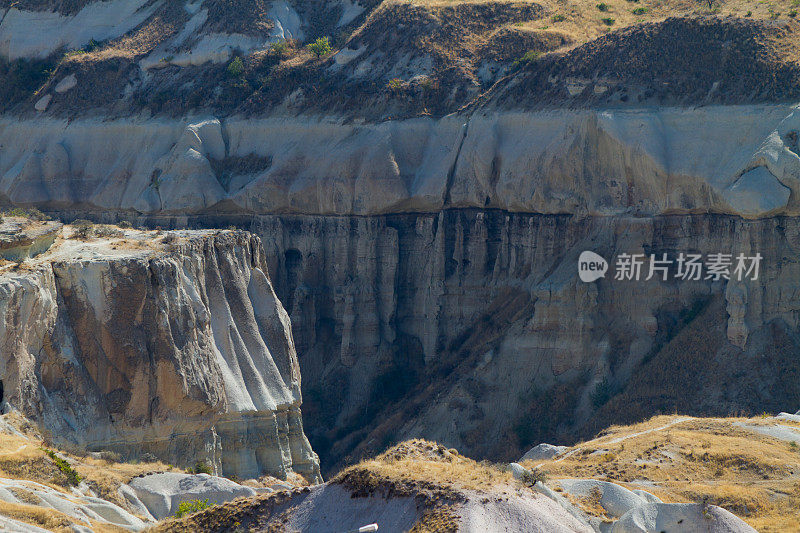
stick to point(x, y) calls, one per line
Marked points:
point(602, 393)
point(236, 68)
point(280, 48)
point(558, 18)
point(27, 212)
point(72, 476)
point(529, 57)
point(191, 507)
point(640, 11)
point(320, 47)
point(201, 467)
point(531, 477)
point(608, 21)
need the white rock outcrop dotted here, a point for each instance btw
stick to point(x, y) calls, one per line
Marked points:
point(162, 493)
point(187, 355)
point(583, 162)
point(542, 452)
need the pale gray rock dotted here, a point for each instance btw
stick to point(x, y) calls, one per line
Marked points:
point(543, 451)
point(679, 517)
point(616, 500)
point(517, 470)
point(42, 103)
point(67, 83)
point(185, 354)
point(162, 493)
point(757, 193)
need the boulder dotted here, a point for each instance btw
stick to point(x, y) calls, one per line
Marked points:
point(543, 451)
point(677, 517)
point(162, 493)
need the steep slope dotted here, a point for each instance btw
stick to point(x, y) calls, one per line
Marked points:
point(175, 346)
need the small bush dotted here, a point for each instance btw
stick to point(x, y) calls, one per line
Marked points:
point(395, 85)
point(608, 21)
point(110, 457)
point(793, 13)
point(72, 476)
point(191, 507)
point(236, 68)
point(30, 212)
point(640, 11)
point(559, 18)
point(106, 230)
point(531, 477)
point(602, 7)
point(320, 47)
point(280, 48)
point(83, 228)
point(529, 57)
point(201, 467)
point(748, 14)
point(602, 393)
point(124, 224)
point(170, 238)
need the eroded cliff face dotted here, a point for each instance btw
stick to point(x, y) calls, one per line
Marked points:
point(472, 327)
point(430, 266)
point(184, 352)
point(739, 160)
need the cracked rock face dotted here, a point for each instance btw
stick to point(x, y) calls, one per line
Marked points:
point(186, 354)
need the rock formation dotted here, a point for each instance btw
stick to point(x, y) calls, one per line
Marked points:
point(423, 197)
point(178, 349)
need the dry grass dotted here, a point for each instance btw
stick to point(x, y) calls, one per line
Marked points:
point(425, 462)
point(702, 459)
point(23, 458)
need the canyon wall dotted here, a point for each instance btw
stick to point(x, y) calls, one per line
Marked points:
point(430, 266)
point(739, 160)
point(184, 353)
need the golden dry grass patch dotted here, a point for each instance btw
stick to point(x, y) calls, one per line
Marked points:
point(701, 459)
point(420, 461)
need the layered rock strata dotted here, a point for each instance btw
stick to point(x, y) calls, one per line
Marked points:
point(179, 349)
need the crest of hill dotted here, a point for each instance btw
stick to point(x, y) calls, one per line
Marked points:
point(678, 61)
point(395, 59)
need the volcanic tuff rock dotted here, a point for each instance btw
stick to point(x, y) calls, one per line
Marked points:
point(177, 347)
point(424, 192)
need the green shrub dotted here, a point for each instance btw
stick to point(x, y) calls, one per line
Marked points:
point(602, 7)
point(529, 57)
point(559, 18)
point(280, 48)
point(395, 85)
point(531, 477)
point(201, 467)
point(793, 13)
point(320, 47)
point(602, 393)
point(608, 21)
point(124, 224)
point(72, 476)
point(236, 67)
point(30, 212)
point(191, 506)
point(640, 11)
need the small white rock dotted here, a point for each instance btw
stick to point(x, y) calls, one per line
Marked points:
point(43, 102)
point(66, 84)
